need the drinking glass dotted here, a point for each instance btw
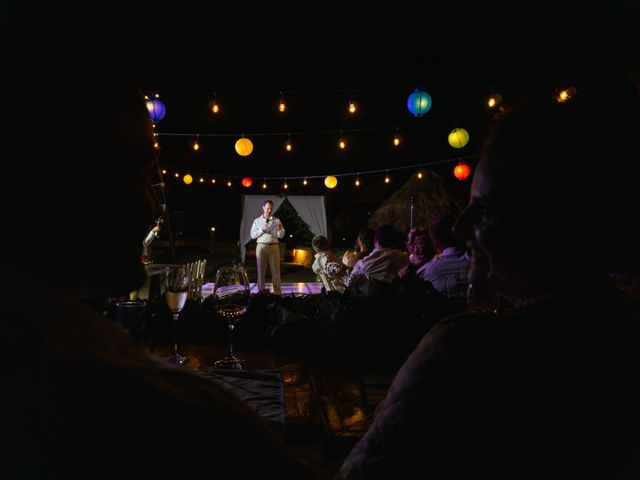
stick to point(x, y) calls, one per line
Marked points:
point(231, 300)
point(130, 315)
point(176, 292)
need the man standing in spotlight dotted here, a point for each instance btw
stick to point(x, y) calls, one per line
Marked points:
point(266, 230)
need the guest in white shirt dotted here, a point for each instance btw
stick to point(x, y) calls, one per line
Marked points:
point(267, 230)
point(384, 262)
point(447, 271)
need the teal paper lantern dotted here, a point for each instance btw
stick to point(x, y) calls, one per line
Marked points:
point(156, 109)
point(419, 102)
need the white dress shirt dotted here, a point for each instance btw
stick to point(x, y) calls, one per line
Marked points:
point(271, 235)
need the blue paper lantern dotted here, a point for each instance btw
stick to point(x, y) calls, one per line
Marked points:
point(156, 109)
point(419, 102)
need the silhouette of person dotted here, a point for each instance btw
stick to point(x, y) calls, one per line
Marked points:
point(78, 400)
point(551, 387)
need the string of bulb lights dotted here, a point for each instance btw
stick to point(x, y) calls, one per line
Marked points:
point(418, 102)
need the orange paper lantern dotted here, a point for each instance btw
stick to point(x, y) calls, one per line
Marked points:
point(244, 147)
point(246, 182)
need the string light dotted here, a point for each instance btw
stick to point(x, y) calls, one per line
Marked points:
point(215, 107)
point(287, 146)
point(201, 180)
point(281, 105)
point(229, 183)
point(305, 179)
point(564, 94)
point(351, 107)
point(285, 186)
point(196, 145)
point(342, 143)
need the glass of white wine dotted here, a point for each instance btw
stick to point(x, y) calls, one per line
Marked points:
point(176, 293)
point(231, 300)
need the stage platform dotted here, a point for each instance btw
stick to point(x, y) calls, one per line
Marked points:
point(288, 288)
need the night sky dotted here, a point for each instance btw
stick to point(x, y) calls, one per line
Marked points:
point(319, 54)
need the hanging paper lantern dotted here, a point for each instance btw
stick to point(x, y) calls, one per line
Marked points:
point(458, 137)
point(246, 182)
point(331, 181)
point(244, 147)
point(156, 109)
point(462, 171)
point(188, 179)
point(419, 102)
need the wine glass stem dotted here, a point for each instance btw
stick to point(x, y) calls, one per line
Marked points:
point(175, 334)
point(231, 328)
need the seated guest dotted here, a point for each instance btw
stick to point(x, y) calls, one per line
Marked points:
point(420, 250)
point(447, 270)
point(364, 246)
point(384, 262)
point(551, 387)
point(326, 266)
point(78, 399)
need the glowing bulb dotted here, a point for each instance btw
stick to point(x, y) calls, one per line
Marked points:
point(213, 180)
point(215, 108)
point(387, 179)
point(285, 185)
point(213, 229)
point(352, 108)
point(342, 143)
point(420, 175)
point(156, 144)
point(282, 106)
point(177, 175)
point(201, 180)
point(264, 185)
point(492, 102)
point(304, 182)
point(288, 146)
point(357, 182)
point(229, 183)
point(164, 171)
point(187, 179)
point(396, 141)
point(196, 146)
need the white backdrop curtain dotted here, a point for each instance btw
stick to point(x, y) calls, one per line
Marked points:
point(310, 208)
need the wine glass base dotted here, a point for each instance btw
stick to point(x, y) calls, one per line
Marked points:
point(230, 363)
point(176, 359)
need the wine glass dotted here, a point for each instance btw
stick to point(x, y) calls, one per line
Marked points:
point(176, 292)
point(231, 299)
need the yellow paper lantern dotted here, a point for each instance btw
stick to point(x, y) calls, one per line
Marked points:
point(331, 181)
point(244, 147)
point(188, 179)
point(458, 138)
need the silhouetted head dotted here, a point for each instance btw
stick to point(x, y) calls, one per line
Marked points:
point(387, 236)
point(365, 239)
point(553, 196)
point(320, 243)
point(78, 162)
point(441, 233)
